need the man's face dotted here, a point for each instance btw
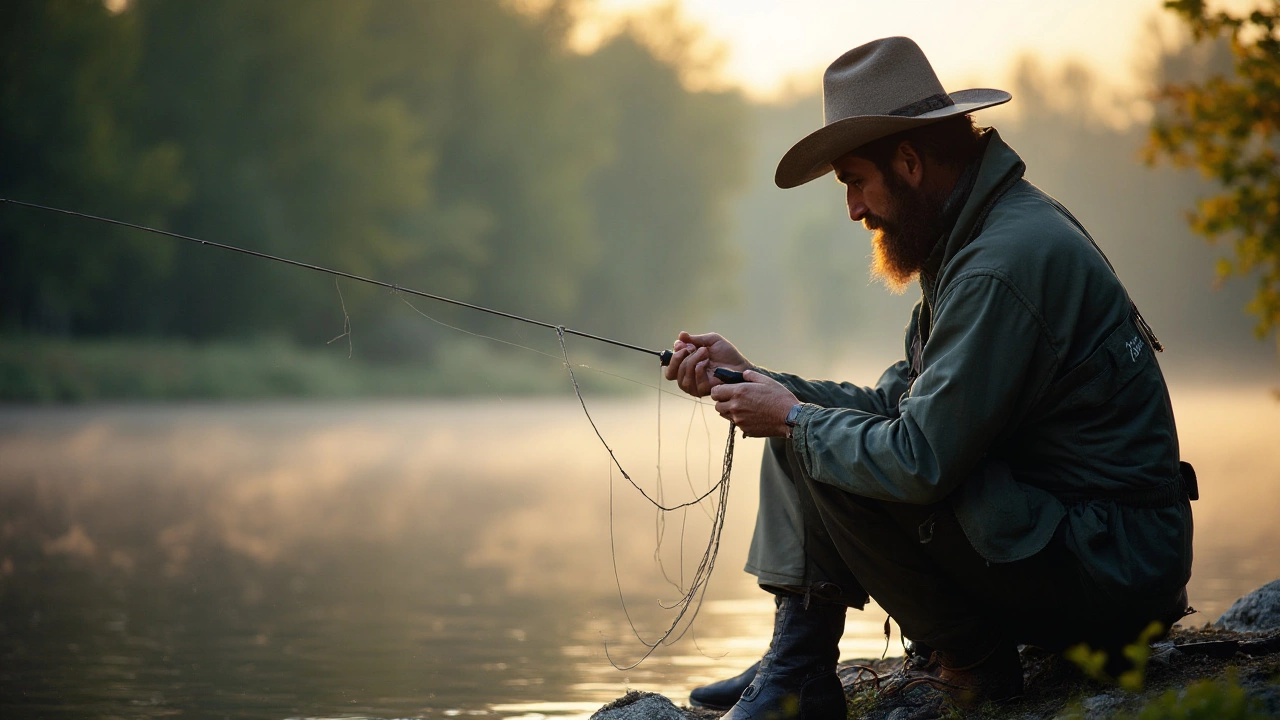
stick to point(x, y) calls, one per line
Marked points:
point(905, 223)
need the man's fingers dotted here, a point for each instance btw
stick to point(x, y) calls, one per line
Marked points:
point(703, 339)
point(725, 391)
point(688, 379)
point(722, 407)
point(682, 371)
point(702, 375)
point(758, 377)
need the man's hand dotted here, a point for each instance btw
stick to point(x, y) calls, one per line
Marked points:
point(695, 357)
point(758, 406)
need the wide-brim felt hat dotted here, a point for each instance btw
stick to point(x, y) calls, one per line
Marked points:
point(870, 92)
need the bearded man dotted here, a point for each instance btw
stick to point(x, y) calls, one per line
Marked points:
point(1014, 479)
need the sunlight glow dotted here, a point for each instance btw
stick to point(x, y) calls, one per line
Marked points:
point(774, 49)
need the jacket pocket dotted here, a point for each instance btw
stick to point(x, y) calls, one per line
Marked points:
point(1118, 360)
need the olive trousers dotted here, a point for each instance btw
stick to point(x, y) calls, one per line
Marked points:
point(917, 564)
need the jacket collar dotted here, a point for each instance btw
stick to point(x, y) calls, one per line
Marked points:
point(976, 191)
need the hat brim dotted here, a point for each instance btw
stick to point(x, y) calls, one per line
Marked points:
point(811, 158)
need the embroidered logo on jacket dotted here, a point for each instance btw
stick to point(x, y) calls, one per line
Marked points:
point(1135, 348)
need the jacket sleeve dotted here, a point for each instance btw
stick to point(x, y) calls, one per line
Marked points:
point(977, 365)
point(881, 399)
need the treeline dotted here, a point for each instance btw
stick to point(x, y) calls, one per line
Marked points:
point(457, 147)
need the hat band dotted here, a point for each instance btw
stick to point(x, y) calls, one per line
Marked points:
point(929, 104)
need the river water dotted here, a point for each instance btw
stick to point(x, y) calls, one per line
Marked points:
point(432, 559)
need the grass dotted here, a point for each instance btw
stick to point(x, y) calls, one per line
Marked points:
point(46, 370)
point(1209, 699)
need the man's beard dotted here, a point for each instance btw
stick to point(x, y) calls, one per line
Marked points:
point(903, 239)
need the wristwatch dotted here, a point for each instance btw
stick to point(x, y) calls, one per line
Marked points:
point(793, 418)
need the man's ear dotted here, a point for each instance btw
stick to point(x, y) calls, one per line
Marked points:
point(908, 164)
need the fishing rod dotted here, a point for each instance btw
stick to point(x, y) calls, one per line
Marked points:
point(664, 356)
point(690, 601)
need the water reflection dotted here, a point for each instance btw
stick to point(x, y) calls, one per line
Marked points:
point(426, 560)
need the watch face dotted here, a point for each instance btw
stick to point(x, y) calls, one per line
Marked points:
point(793, 416)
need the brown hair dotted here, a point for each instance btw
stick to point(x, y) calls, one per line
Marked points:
point(955, 141)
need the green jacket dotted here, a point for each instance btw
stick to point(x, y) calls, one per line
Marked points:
point(1034, 397)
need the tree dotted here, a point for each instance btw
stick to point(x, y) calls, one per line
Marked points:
point(1227, 128)
point(661, 201)
point(67, 89)
point(463, 148)
point(290, 146)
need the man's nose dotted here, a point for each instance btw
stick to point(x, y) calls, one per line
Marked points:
point(857, 208)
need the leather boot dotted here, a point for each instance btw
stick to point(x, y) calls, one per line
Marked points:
point(995, 676)
point(722, 695)
point(797, 676)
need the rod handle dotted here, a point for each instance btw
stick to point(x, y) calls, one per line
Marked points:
point(728, 376)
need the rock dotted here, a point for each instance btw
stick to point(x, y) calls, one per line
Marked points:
point(1164, 653)
point(1259, 611)
point(1104, 705)
point(637, 705)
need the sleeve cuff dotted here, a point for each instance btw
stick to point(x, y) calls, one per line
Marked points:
point(800, 436)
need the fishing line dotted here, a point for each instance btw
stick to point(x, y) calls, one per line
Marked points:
point(698, 409)
point(482, 336)
point(660, 518)
point(663, 355)
point(557, 358)
point(684, 512)
point(346, 321)
point(691, 598)
point(560, 333)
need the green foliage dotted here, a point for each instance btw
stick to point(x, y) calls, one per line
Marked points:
point(67, 93)
point(1094, 662)
point(458, 147)
point(1202, 700)
point(1091, 662)
point(44, 370)
point(1226, 126)
point(1209, 699)
point(661, 201)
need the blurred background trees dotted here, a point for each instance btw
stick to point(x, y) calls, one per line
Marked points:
point(466, 149)
point(455, 147)
point(1224, 122)
point(68, 102)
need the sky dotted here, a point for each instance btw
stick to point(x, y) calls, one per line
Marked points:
point(773, 45)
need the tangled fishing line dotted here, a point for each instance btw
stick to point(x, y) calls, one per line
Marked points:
point(693, 594)
point(689, 603)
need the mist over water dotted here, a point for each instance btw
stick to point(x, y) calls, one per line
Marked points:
point(424, 559)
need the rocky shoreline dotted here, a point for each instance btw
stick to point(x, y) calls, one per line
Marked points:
point(1230, 668)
